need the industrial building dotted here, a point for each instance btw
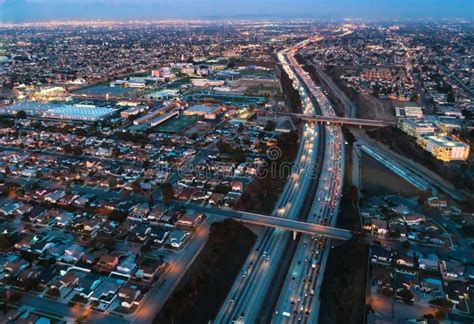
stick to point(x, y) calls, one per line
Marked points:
point(77, 112)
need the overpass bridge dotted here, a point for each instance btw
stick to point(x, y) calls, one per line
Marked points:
point(296, 226)
point(272, 221)
point(337, 120)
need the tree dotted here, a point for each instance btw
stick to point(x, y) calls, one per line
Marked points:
point(67, 148)
point(386, 291)
point(416, 261)
point(167, 192)
point(224, 147)
point(450, 97)
point(115, 152)
point(441, 302)
point(112, 182)
point(146, 164)
point(145, 248)
point(376, 90)
point(406, 295)
point(348, 135)
point(135, 186)
point(77, 150)
point(423, 196)
point(440, 314)
point(270, 126)
point(53, 292)
point(354, 194)
point(5, 242)
point(30, 283)
point(21, 115)
point(405, 245)
point(468, 230)
point(14, 297)
point(414, 97)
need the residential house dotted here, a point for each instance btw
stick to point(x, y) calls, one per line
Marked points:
point(452, 270)
point(87, 284)
point(178, 237)
point(129, 295)
point(64, 218)
point(108, 262)
point(191, 220)
point(106, 291)
point(128, 265)
point(159, 234)
point(149, 268)
point(456, 291)
point(12, 268)
point(73, 253)
point(380, 254)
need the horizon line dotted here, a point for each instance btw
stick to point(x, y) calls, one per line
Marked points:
point(276, 18)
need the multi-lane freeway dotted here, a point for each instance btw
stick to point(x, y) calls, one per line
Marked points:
point(249, 293)
point(247, 296)
point(299, 298)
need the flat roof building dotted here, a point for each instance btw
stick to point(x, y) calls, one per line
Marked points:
point(444, 148)
point(416, 127)
point(409, 112)
point(79, 112)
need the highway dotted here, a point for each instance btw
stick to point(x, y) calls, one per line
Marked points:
point(298, 226)
point(299, 298)
point(340, 120)
point(411, 167)
point(291, 225)
point(248, 293)
point(414, 169)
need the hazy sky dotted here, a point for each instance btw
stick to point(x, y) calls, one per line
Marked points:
point(31, 10)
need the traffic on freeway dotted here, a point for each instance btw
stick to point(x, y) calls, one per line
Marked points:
point(299, 298)
point(248, 292)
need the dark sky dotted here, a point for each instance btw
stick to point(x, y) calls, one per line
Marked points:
point(32, 10)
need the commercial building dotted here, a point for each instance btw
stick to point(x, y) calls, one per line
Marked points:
point(409, 112)
point(132, 111)
point(416, 127)
point(444, 148)
point(203, 83)
point(155, 113)
point(77, 112)
point(209, 112)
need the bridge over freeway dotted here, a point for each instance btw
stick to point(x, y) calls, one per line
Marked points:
point(274, 222)
point(337, 120)
point(296, 226)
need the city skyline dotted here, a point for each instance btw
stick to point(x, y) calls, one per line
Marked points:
point(39, 10)
point(236, 161)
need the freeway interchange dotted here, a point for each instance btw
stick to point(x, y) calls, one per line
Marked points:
point(298, 300)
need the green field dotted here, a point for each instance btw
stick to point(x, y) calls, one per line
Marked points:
point(177, 124)
point(236, 100)
point(257, 73)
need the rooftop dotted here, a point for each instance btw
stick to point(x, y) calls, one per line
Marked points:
point(445, 141)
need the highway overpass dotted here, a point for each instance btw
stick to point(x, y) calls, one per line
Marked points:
point(296, 226)
point(337, 120)
point(272, 221)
